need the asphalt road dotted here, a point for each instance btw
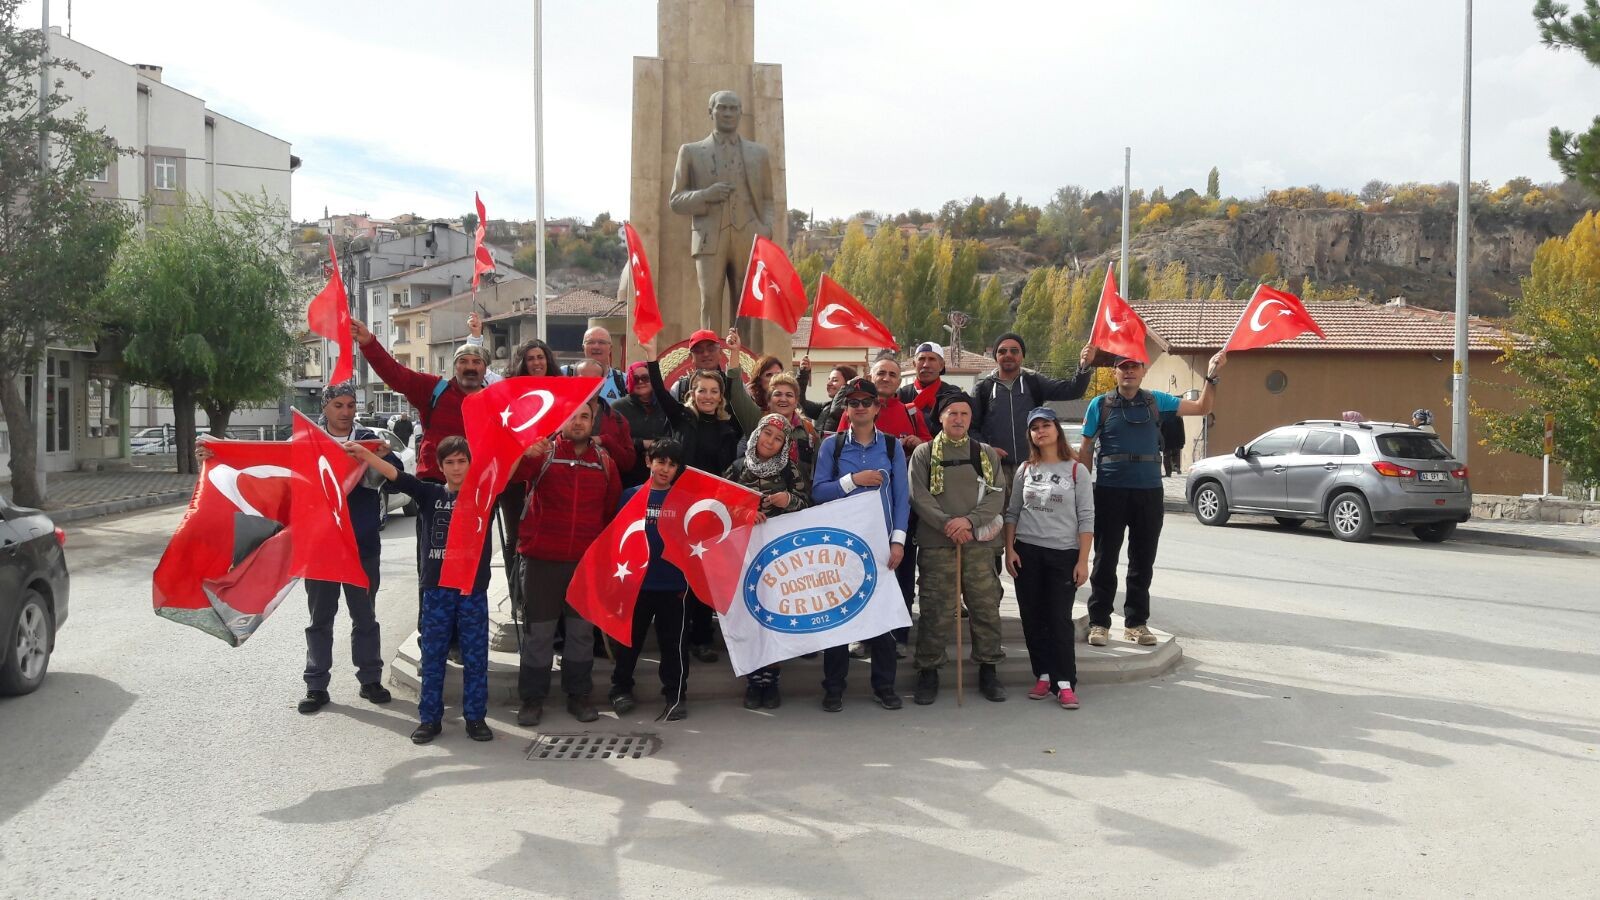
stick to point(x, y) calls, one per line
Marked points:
point(1392, 719)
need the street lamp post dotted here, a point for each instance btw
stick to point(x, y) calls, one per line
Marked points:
point(1459, 413)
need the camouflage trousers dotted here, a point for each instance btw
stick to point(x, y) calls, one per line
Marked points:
point(936, 599)
point(445, 612)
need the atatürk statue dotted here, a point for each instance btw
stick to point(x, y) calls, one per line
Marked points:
point(725, 182)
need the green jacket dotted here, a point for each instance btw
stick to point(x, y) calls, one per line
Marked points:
point(788, 479)
point(964, 494)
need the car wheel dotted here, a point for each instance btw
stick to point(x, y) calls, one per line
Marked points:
point(1350, 517)
point(1434, 532)
point(1288, 522)
point(23, 667)
point(410, 509)
point(1210, 506)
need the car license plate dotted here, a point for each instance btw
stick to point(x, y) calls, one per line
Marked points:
point(1435, 476)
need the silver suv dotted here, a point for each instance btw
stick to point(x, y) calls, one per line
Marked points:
point(1352, 475)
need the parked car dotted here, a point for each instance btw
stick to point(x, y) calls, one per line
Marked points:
point(33, 595)
point(399, 500)
point(151, 441)
point(1352, 475)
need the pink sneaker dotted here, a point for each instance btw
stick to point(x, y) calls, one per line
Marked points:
point(1067, 699)
point(1040, 690)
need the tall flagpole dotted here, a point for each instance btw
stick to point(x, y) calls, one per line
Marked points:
point(1458, 382)
point(538, 157)
point(1127, 189)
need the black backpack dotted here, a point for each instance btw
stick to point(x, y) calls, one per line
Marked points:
point(838, 450)
point(1104, 402)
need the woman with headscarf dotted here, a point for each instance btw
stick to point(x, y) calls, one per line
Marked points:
point(783, 399)
point(767, 467)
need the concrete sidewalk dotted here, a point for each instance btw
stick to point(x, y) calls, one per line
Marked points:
point(74, 496)
point(1512, 533)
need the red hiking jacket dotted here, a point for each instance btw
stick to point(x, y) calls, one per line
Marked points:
point(440, 419)
point(572, 502)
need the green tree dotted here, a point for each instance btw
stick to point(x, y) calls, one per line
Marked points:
point(1171, 282)
point(209, 307)
point(885, 262)
point(1219, 289)
point(469, 222)
point(56, 240)
point(994, 310)
point(961, 283)
point(850, 265)
point(1578, 155)
point(1034, 311)
point(1213, 184)
point(1559, 366)
point(922, 288)
point(811, 266)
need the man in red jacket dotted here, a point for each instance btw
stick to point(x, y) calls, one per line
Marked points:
point(573, 490)
point(438, 402)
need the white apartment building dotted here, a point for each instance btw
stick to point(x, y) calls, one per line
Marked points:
point(181, 148)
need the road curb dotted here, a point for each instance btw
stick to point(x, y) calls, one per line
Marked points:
point(1468, 535)
point(113, 507)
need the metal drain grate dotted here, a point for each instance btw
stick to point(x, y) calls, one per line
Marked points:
point(593, 746)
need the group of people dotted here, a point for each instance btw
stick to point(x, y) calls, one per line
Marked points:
point(970, 483)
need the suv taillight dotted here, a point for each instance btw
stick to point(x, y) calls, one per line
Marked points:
point(61, 537)
point(1460, 473)
point(1391, 470)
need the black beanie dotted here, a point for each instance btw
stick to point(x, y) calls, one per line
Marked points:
point(1011, 336)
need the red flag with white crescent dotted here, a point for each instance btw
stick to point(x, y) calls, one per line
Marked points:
point(1271, 316)
point(1117, 328)
point(772, 288)
point(482, 260)
point(839, 320)
point(502, 421)
point(605, 586)
point(328, 315)
point(646, 311)
point(324, 539)
point(705, 526)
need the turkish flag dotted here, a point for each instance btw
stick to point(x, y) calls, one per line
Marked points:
point(329, 316)
point(482, 261)
point(841, 321)
point(502, 421)
point(247, 594)
point(705, 527)
point(1271, 316)
point(605, 586)
point(646, 312)
point(324, 544)
point(1117, 328)
point(772, 288)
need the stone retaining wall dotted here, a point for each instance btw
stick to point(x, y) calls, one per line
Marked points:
point(1557, 509)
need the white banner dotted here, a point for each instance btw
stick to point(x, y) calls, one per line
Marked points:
point(811, 580)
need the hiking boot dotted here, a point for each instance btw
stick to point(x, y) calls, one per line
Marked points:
point(927, 687)
point(375, 693)
point(1139, 634)
point(581, 708)
point(478, 730)
point(1099, 635)
point(704, 653)
point(530, 713)
point(989, 684)
point(426, 732)
point(1067, 699)
point(887, 699)
point(770, 698)
point(622, 702)
point(677, 712)
point(859, 650)
point(832, 702)
point(1040, 690)
point(313, 701)
point(752, 696)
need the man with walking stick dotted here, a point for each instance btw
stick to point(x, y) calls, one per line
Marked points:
point(959, 499)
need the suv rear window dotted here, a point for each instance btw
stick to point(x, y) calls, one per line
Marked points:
point(1406, 445)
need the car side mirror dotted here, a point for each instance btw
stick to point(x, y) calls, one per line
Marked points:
point(1239, 451)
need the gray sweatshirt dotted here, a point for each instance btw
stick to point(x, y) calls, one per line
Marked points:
point(1048, 508)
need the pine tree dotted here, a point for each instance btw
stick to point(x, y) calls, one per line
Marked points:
point(1578, 155)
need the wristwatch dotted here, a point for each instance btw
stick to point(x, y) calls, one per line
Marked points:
point(1212, 379)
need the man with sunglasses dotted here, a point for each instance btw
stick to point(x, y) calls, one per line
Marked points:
point(1122, 444)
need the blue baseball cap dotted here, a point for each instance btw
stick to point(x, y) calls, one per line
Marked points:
point(1042, 412)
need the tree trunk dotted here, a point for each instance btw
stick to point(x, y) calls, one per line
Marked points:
point(183, 425)
point(25, 487)
point(218, 418)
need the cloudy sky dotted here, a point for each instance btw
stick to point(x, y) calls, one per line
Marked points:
point(890, 104)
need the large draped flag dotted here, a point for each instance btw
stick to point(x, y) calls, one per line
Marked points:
point(705, 524)
point(502, 421)
point(1117, 328)
point(646, 311)
point(328, 315)
point(811, 580)
point(1271, 316)
point(324, 545)
point(605, 586)
point(772, 288)
point(839, 320)
point(482, 260)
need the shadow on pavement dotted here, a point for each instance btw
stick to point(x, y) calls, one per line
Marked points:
point(69, 714)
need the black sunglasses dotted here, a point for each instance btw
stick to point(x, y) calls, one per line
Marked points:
point(860, 404)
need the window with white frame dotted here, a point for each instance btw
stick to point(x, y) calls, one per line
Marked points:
point(165, 173)
point(101, 175)
point(422, 329)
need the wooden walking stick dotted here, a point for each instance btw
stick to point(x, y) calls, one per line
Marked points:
point(958, 626)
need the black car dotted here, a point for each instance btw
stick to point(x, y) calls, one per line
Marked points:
point(33, 595)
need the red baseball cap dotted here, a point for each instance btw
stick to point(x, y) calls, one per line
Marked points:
point(704, 334)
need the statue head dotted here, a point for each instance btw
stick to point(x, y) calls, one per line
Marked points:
point(725, 110)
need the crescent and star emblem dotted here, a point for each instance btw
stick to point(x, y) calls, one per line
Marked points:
point(637, 526)
point(547, 400)
point(716, 508)
point(325, 476)
point(1114, 326)
point(226, 480)
point(755, 281)
point(823, 318)
point(1255, 319)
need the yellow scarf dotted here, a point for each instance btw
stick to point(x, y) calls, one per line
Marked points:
point(936, 476)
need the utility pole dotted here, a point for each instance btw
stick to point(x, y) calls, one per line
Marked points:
point(1459, 414)
point(44, 88)
point(1127, 189)
point(538, 157)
